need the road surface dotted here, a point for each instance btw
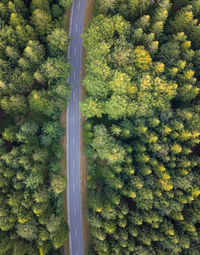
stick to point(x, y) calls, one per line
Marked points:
point(73, 130)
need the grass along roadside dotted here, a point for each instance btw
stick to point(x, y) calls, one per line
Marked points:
point(86, 235)
point(63, 121)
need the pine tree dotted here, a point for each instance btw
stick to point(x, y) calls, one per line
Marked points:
point(105, 5)
point(138, 7)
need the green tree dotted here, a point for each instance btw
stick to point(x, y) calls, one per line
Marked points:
point(41, 195)
point(27, 230)
point(104, 6)
point(58, 183)
point(53, 131)
point(183, 20)
point(58, 41)
point(116, 107)
point(106, 146)
point(91, 108)
point(12, 53)
point(34, 52)
point(95, 87)
point(16, 20)
point(60, 236)
point(14, 105)
point(138, 7)
point(42, 21)
point(65, 3)
point(40, 4)
point(9, 134)
point(56, 69)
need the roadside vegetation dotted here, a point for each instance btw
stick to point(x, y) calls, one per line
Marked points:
point(33, 93)
point(142, 127)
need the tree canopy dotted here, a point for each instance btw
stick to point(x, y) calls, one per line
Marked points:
point(33, 93)
point(142, 127)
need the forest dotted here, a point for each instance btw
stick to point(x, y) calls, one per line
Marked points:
point(33, 93)
point(142, 127)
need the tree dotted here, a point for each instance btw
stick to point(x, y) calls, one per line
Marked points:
point(58, 150)
point(98, 233)
point(42, 21)
point(4, 11)
point(23, 34)
point(41, 195)
point(5, 243)
point(56, 69)
point(56, 11)
point(116, 107)
point(2, 147)
point(40, 155)
point(91, 108)
point(65, 3)
point(33, 181)
point(16, 20)
point(27, 129)
point(53, 131)
point(58, 183)
point(9, 134)
point(41, 102)
point(95, 87)
point(169, 53)
point(7, 222)
point(14, 104)
point(12, 53)
point(143, 60)
point(27, 230)
point(55, 166)
point(119, 83)
point(138, 7)
point(104, 6)
point(60, 236)
point(19, 247)
point(58, 41)
point(34, 52)
point(106, 146)
point(183, 20)
point(40, 4)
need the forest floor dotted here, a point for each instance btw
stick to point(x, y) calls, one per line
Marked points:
point(86, 235)
point(64, 143)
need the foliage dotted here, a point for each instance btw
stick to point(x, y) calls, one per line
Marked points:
point(142, 127)
point(33, 93)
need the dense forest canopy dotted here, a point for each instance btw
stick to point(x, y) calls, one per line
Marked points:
point(142, 127)
point(33, 92)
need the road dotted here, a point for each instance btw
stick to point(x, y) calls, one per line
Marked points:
point(73, 130)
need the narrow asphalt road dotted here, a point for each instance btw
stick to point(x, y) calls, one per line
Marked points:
point(73, 130)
